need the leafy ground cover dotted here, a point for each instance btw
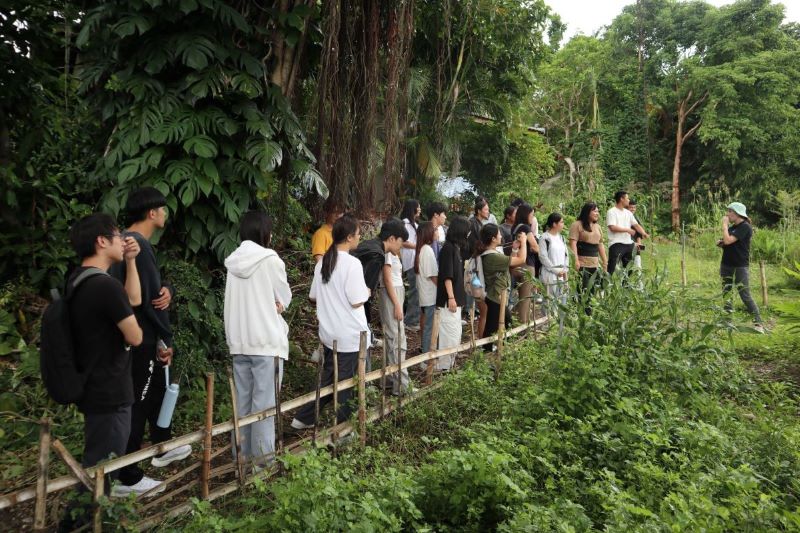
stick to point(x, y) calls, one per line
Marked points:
point(646, 417)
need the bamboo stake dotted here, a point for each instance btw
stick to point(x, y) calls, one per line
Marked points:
point(39, 520)
point(362, 391)
point(433, 346)
point(336, 380)
point(320, 364)
point(400, 332)
point(237, 435)
point(472, 326)
point(764, 295)
point(73, 465)
point(683, 257)
point(99, 490)
point(501, 333)
point(207, 444)
point(383, 375)
point(278, 420)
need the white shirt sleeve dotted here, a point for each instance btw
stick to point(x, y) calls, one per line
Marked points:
point(611, 218)
point(355, 286)
point(312, 294)
point(427, 262)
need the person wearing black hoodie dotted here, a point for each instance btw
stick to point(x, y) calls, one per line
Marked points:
point(146, 209)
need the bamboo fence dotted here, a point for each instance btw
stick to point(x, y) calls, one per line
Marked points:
point(94, 481)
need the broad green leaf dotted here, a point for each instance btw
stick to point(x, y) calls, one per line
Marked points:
point(202, 145)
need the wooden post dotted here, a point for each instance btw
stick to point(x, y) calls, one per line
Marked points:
point(383, 375)
point(683, 257)
point(764, 295)
point(472, 326)
point(336, 381)
point(400, 332)
point(320, 364)
point(278, 419)
point(73, 465)
point(99, 491)
point(501, 332)
point(206, 470)
point(433, 346)
point(237, 435)
point(362, 389)
point(39, 520)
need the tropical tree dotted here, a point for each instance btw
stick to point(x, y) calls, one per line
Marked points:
point(182, 89)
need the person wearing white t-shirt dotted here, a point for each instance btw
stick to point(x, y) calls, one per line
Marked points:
point(437, 215)
point(339, 291)
point(427, 270)
point(622, 226)
point(391, 294)
point(410, 214)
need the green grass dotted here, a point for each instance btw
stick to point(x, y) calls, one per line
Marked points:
point(780, 348)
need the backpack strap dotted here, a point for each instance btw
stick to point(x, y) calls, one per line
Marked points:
point(80, 278)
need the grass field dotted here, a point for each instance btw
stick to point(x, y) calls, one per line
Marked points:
point(775, 355)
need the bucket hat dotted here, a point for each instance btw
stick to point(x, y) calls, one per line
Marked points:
point(739, 209)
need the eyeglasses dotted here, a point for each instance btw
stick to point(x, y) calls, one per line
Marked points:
point(112, 235)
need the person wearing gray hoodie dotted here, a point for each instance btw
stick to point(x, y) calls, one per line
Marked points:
point(256, 293)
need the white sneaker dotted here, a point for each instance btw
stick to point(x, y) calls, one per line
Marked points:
point(759, 328)
point(145, 484)
point(377, 343)
point(412, 327)
point(181, 452)
point(296, 424)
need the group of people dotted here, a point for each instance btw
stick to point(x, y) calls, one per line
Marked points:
point(410, 271)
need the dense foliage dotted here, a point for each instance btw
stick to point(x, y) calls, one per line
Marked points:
point(622, 423)
point(675, 95)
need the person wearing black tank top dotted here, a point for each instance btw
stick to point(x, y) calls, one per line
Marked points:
point(586, 243)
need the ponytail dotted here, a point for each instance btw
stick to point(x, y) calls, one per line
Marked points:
point(487, 234)
point(344, 227)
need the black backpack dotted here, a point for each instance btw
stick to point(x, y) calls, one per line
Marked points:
point(60, 374)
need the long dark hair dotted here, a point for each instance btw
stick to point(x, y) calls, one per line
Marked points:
point(409, 211)
point(552, 220)
point(457, 231)
point(344, 227)
point(488, 232)
point(424, 236)
point(256, 226)
point(586, 210)
point(523, 213)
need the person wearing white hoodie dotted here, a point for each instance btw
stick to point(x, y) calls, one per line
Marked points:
point(256, 293)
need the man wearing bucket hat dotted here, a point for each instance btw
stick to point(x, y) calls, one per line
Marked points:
point(734, 268)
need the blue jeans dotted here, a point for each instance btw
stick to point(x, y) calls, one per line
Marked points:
point(427, 327)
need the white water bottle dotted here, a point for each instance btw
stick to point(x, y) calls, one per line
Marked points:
point(170, 396)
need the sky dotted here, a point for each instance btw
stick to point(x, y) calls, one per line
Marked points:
point(588, 16)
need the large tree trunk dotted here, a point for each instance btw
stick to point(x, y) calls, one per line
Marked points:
point(685, 109)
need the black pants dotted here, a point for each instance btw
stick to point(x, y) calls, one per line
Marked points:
point(493, 321)
point(104, 435)
point(619, 253)
point(149, 385)
point(348, 363)
point(590, 280)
